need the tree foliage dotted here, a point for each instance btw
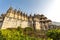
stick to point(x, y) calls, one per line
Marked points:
point(54, 34)
point(15, 34)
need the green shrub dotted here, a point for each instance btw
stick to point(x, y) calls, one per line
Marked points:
point(54, 34)
point(15, 34)
point(28, 29)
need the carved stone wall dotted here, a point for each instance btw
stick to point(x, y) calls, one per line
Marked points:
point(13, 19)
point(37, 25)
point(13, 23)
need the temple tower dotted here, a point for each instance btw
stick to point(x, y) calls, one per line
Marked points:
point(14, 18)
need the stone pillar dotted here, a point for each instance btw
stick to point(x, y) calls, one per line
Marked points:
point(37, 25)
point(46, 25)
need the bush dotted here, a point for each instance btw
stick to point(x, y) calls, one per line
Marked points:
point(15, 34)
point(54, 34)
point(28, 29)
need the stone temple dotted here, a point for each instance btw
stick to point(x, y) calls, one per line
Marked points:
point(14, 18)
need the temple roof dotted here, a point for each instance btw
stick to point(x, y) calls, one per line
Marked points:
point(40, 17)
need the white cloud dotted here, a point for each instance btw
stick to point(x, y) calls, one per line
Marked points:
point(53, 11)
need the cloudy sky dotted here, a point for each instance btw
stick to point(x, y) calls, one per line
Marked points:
point(50, 8)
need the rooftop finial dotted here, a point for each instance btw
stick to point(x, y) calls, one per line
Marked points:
point(15, 11)
point(30, 15)
point(34, 14)
point(18, 10)
point(10, 8)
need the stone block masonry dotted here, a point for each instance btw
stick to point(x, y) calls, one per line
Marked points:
point(14, 18)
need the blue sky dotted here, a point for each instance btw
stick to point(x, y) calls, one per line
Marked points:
point(47, 7)
point(29, 6)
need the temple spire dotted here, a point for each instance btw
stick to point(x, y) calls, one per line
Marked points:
point(10, 9)
point(19, 11)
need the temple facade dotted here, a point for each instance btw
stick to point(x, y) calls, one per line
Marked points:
point(14, 18)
